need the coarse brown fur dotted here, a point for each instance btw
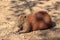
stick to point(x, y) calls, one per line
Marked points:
point(36, 21)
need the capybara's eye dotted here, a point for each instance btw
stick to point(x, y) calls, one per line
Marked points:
point(25, 17)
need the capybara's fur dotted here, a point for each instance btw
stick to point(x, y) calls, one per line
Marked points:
point(37, 21)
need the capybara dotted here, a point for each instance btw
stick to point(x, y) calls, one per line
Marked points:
point(37, 21)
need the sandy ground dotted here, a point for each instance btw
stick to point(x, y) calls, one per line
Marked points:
point(11, 9)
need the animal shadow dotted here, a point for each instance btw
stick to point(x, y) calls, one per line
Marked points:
point(53, 24)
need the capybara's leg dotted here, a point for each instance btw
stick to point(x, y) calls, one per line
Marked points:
point(26, 28)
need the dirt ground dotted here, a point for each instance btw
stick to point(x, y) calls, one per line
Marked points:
point(11, 9)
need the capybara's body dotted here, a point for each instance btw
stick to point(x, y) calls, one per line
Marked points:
point(40, 20)
point(37, 21)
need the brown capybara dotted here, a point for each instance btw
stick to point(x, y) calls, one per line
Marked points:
point(36, 21)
